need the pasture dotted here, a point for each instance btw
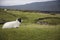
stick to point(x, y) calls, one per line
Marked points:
point(29, 29)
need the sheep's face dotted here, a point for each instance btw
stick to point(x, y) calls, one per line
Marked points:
point(19, 19)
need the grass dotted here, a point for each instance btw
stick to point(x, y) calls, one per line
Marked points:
point(29, 30)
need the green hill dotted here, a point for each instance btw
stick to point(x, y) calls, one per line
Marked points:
point(30, 29)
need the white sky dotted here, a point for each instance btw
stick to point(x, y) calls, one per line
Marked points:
point(19, 2)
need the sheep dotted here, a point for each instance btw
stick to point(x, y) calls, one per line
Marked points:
point(12, 24)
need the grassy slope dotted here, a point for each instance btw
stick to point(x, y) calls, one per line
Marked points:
point(28, 30)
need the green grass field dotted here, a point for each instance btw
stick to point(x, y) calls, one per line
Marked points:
point(29, 30)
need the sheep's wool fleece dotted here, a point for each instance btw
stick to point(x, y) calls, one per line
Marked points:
point(12, 24)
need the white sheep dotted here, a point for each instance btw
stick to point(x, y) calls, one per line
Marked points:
point(12, 24)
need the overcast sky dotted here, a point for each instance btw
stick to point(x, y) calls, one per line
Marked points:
point(19, 2)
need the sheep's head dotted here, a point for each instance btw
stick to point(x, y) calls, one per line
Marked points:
point(19, 19)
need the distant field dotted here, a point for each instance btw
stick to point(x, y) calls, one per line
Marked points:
point(29, 30)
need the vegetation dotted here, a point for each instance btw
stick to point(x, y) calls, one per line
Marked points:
point(29, 30)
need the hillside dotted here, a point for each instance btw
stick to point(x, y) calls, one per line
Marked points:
point(12, 15)
point(29, 29)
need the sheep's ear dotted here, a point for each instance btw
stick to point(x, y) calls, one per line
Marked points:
point(18, 19)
